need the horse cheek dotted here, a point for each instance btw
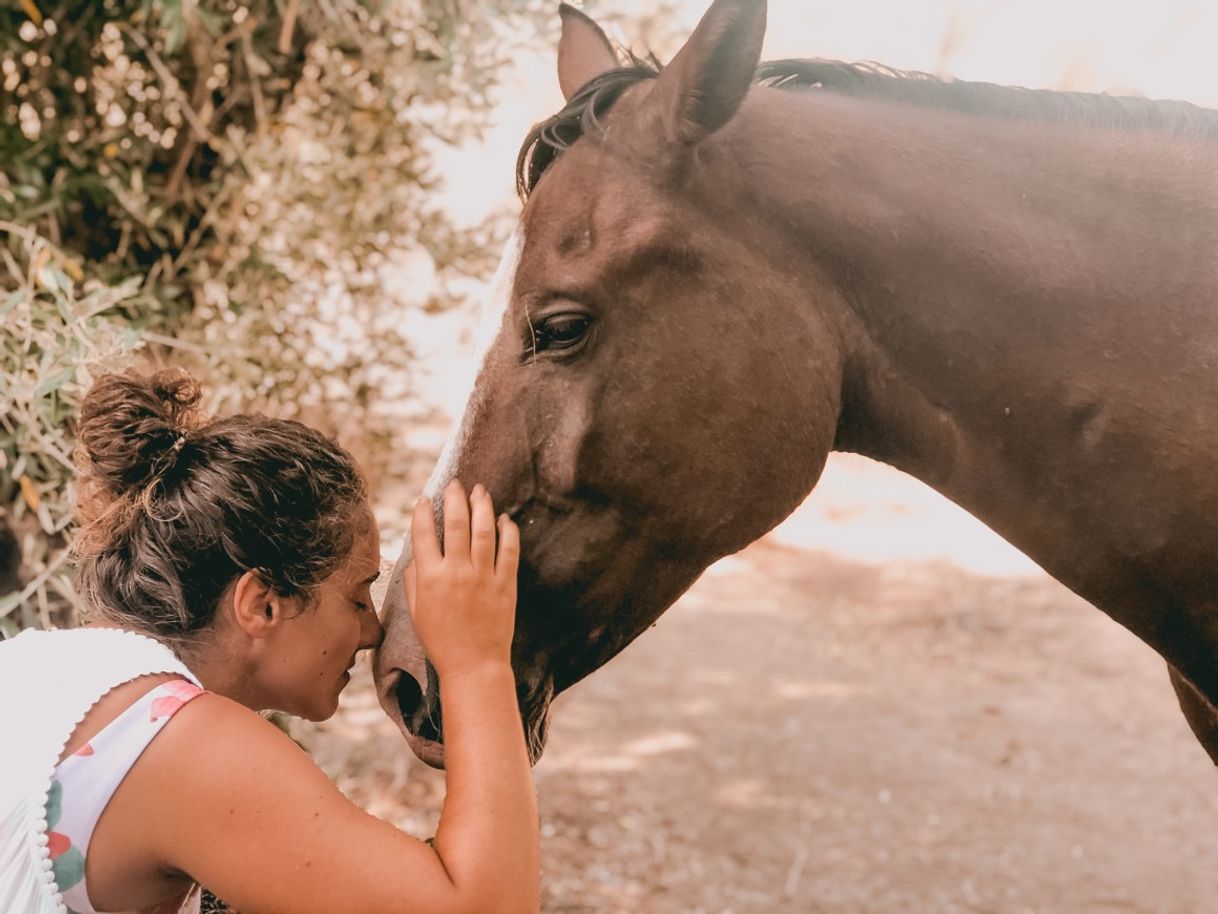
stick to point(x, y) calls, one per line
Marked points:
point(561, 430)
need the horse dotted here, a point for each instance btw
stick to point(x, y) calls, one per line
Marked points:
point(723, 270)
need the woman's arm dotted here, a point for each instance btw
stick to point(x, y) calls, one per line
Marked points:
point(241, 809)
point(488, 831)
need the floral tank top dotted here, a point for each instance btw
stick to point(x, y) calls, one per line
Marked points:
point(84, 782)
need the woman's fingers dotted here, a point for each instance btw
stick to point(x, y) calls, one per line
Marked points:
point(508, 558)
point(423, 533)
point(482, 529)
point(463, 606)
point(470, 529)
point(456, 521)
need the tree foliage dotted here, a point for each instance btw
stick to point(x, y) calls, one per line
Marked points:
point(240, 185)
point(57, 334)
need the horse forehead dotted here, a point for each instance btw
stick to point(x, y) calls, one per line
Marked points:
point(591, 192)
point(605, 224)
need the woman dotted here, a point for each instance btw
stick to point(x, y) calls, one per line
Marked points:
point(228, 564)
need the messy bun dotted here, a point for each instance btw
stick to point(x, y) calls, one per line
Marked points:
point(174, 507)
point(130, 424)
point(131, 427)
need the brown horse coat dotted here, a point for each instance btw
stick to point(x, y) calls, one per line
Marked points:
point(1011, 295)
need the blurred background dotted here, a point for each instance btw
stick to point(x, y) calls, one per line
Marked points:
point(881, 706)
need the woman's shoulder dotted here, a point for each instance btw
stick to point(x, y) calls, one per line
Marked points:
point(194, 753)
point(213, 734)
point(211, 710)
point(211, 750)
point(215, 766)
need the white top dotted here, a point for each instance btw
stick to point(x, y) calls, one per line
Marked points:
point(48, 683)
point(86, 780)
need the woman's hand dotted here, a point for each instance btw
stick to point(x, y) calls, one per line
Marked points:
point(463, 600)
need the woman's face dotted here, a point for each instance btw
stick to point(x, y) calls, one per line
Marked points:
point(318, 643)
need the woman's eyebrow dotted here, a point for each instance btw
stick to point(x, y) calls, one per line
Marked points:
point(369, 580)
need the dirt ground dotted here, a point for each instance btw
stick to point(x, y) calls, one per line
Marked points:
point(878, 708)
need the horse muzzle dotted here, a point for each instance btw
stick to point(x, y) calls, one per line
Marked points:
point(406, 682)
point(413, 702)
point(409, 690)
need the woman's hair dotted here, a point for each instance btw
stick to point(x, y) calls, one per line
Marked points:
point(175, 507)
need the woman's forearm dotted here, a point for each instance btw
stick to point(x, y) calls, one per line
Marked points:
point(488, 832)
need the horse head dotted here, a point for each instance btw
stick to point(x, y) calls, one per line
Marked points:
point(647, 400)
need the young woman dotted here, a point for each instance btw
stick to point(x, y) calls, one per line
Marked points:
point(227, 566)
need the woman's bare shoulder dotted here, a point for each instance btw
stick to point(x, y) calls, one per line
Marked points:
point(252, 817)
point(213, 735)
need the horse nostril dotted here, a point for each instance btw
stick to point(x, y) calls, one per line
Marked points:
point(409, 695)
point(420, 713)
point(428, 727)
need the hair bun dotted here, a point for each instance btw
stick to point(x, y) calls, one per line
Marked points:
point(129, 425)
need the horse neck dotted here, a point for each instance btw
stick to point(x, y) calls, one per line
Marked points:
point(992, 283)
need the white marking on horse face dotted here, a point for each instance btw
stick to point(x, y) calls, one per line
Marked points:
point(494, 315)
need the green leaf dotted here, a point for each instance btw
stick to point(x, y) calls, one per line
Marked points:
point(54, 382)
point(175, 35)
point(50, 279)
point(211, 22)
point(9, 602)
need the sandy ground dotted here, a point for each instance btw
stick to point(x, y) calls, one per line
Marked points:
point(878, 708)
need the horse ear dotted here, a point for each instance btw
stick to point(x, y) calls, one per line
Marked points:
point(704, 85)
point(584, 52)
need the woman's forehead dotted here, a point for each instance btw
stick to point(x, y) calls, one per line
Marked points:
point(366, 551)
point(363, 563)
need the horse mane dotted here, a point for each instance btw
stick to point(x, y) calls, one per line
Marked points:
point(583, 112)
point(1090, 109)
point(581, 115)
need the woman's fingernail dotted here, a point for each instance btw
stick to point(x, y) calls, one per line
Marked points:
point(478, 491)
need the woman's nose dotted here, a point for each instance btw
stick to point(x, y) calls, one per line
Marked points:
point(373, 633)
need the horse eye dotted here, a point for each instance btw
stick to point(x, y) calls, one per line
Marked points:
point(560, 331)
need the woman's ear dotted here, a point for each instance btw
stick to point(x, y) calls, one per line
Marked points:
point(256, 608)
